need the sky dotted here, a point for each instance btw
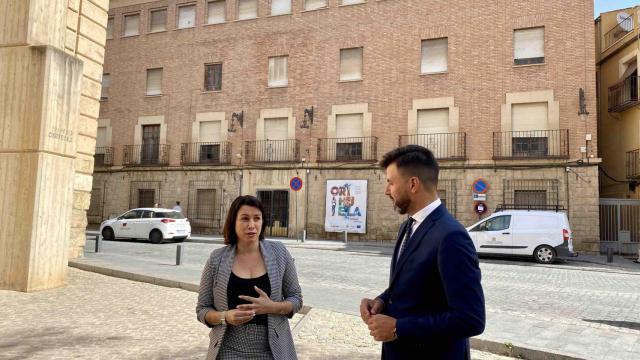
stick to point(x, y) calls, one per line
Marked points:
point(601, 6)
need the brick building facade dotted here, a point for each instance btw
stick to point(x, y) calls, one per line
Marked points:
point(252, 93)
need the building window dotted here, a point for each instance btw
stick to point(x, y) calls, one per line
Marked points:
point(131, 25)
point(186, 16)
point(351, 64)
point(154, 81)
point(434, 56)
point(247, 9)
point(110, 23)
point(146, 198)
point(530, 137)
point(216, 12)
point(278, 71)
point(212, 77)
point(314, 4)
point(352, 2)
point(349, 128)
point(104, 92)
point(528, 46)
point(531, 194)
point(280, 7)
point(158, 20)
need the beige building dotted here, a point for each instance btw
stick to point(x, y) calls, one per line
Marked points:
point(203, 100)
point(51, 55)
point(617, 53)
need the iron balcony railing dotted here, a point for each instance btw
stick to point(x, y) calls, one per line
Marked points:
point(206, 153)
point(533, 144)
point(445, 146)
point(104, 156)
point(261, 151)
point(623, 94)
point(147, 154)
point(348, 149)
point(619, 31)
point(633, 164)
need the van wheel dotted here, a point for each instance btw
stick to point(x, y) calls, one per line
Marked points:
point(156, 237)
point(544, 254)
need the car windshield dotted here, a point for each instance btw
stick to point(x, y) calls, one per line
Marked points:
point(169, 215)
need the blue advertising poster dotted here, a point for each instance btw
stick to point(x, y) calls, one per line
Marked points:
point(346, 206)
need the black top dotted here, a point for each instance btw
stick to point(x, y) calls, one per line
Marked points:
point(240, 286)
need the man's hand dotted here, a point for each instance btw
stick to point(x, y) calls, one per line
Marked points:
point(381, 327)
point(370, 307)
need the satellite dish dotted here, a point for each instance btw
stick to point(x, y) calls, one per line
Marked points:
point(624, 21)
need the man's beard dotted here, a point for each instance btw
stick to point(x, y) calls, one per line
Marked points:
point(401, 205)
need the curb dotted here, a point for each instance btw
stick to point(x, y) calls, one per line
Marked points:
point(508, 349)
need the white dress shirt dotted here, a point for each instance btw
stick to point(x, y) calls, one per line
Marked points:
point(419, 217)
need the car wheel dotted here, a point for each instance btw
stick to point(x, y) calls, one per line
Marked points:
point(107, 233)
point(544, 254)
point(156, 237)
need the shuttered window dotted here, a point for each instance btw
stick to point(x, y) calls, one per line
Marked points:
point(279, 7)
point(349, 125)
point(528, 46)
point(210, 131)
point(351, 64)
point(351, 2)
point(186, 16)
point(154, 81)
point(101, 137)
point(314, 4)
point(131, 25)
point(529, 116)
point(216, 12)
point(278, 71)
point(104, 92)
point(433, 121)
point(158, 20)
point(110, 24)
point(276, 128)
point(247, 9)
point(434, 55)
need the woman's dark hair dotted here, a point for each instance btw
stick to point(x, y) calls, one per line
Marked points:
point(414, 160)
point(229, 229)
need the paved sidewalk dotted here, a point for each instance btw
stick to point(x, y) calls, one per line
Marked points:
point(102, 317)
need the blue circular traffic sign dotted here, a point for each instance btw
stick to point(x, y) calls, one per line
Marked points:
point(480, 186)
point(295, 183)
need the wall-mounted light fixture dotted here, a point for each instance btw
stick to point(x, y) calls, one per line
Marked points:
point(583, 113)
point(307, 119)
point(236, 118)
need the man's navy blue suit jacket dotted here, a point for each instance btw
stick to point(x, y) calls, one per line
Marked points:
point(434, 292)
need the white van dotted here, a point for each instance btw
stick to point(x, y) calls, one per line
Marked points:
point(544, 235)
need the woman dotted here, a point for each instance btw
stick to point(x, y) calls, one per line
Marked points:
point(248, 290)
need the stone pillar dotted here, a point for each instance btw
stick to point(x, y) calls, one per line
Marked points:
point(45, 143)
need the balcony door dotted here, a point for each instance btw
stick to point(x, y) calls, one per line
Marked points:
point(433, 127)
point(209, 142)
point(530, 136)
point(275, 147)
point(349, 131)
point(150, 144)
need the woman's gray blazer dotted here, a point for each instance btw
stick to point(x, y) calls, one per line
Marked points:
point(284, 286)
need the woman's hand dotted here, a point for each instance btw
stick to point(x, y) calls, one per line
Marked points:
point(260, 305)
point(238, 317)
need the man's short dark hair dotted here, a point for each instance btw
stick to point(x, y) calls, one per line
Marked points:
point(413, 160)
point(229, 229)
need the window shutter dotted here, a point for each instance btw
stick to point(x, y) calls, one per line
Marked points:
point(528, 43)
point(131, 25)
point(158, 20)
point(101, 137)
point(278, 71)
point(247, 9)
point(154, 81)
point(186, 16)
point(433, 121)
point(110, 23)
point(104, 92)
point(351, 2)
point(279, 7)
point(351, 64)
point(210, 131)
point(529, 116)
point(314, 4)
point(434, 55)
point(213, 77)
point(216, 12)
point(276, 129)
point(349, 125)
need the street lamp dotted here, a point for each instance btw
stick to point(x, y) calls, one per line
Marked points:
point(236, 118)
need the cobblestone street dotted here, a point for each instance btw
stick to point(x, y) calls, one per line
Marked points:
point(101, 317)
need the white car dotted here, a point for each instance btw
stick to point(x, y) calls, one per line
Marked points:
point(155, 224)
point(542, 234)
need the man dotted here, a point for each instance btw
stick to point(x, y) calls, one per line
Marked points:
point(177, 207)
point(434, 301)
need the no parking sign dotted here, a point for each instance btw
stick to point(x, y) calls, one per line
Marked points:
point(295, 184)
